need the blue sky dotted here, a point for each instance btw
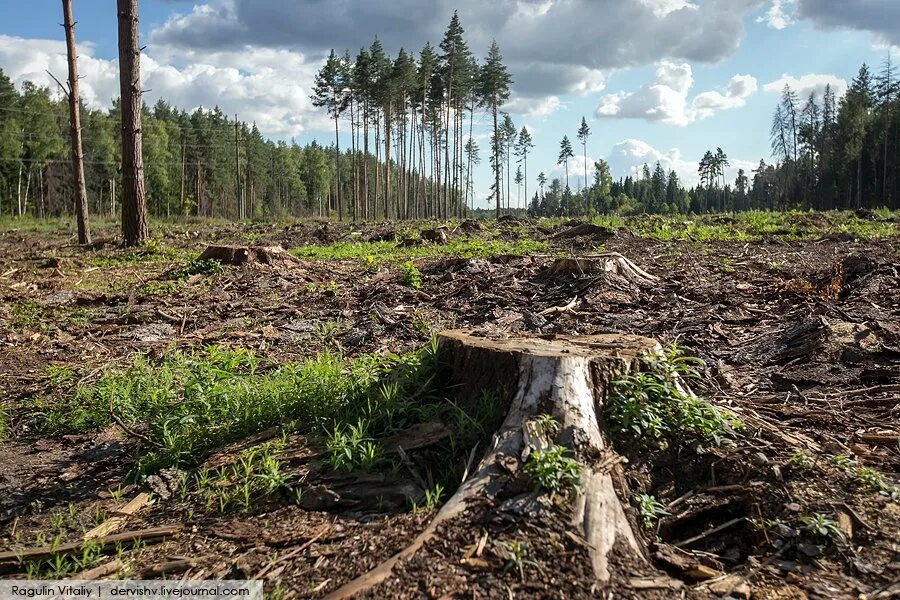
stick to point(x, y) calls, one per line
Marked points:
point(656, 79)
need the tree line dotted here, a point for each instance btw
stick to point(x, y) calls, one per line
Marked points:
point(203, 163)
point(828, 153)
point(416, 115)
point(412, 151)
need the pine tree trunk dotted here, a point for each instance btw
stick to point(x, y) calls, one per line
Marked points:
point(337, 168)
point(81, 206)
point(377, 167)
point(387, 161)
point(134, 204)
point(366, 161)
point(496, 150)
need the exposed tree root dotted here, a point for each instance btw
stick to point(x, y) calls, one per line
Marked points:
point(239, 255)
point(611, 262)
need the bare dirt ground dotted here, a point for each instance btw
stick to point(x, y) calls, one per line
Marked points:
point(801, 340)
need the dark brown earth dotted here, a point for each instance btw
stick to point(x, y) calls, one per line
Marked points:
point(801, 341)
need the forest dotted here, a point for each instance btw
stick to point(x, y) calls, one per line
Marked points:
point(411, 151)
point(338, 370)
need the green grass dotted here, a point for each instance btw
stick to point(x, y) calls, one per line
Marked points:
point(386, 252)
point(27, 314)
point(650, 508)
point(189, 403)
point(751, 225)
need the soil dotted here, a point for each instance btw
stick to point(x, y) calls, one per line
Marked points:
point(801, 340)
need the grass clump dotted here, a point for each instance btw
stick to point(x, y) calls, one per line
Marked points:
point(27, 314)
point(821, 527)
point(197, 266)
point(257, 474)
point(867, 477)
point(350, 448)
point(652, 405)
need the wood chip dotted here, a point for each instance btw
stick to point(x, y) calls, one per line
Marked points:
point(119, 518)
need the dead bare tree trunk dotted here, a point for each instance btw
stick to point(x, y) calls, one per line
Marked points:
point(81, 206)
point(567, 378)
point(134, 203)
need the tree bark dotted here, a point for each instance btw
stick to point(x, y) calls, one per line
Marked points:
point(135, 229)
point(81, 206)
point(567, 378)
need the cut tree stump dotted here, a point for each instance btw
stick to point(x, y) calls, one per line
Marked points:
point(585, 230)
point(565, 377)
point(239, 255)
point(608, 262)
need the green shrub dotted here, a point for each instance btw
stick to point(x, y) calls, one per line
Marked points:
point(652, 404)
point(552, 469)
point(412, 277)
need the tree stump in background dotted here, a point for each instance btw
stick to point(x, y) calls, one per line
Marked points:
point(565, 377)
point(239, 255)
point(592, 264)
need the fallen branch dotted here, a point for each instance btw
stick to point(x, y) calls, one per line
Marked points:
point(99, 572)
point(132, 432)
point(293, 553)
point(144, 535)
point(710, 532)
point(554, 310)
point(168, 568)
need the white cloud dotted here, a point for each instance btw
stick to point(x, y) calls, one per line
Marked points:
point(576, 170)
point(665, 100)
point(270, 87)
point(29, 60)
point(661, 8)
point(776, 17)
point(709, 103)
point(552, 47)
point(811, 82)
point(629, 156)
point(533, 108)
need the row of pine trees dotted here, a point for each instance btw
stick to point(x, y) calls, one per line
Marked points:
point(418, 114)
point(412, 152)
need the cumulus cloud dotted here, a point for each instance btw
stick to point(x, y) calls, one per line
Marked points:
point(881, 18)
point(270, 87)
point(629, 156)
point(665, 99)
point(811, 82)
point(30, 59)
point(779, 15)
point(533, 108)
point(552, 46)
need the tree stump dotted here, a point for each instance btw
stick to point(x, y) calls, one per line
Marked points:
point(608, 262)
point(565, 377)
point(588, 230)
point(239, 255)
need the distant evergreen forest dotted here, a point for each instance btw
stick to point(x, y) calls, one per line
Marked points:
point(412, 153)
